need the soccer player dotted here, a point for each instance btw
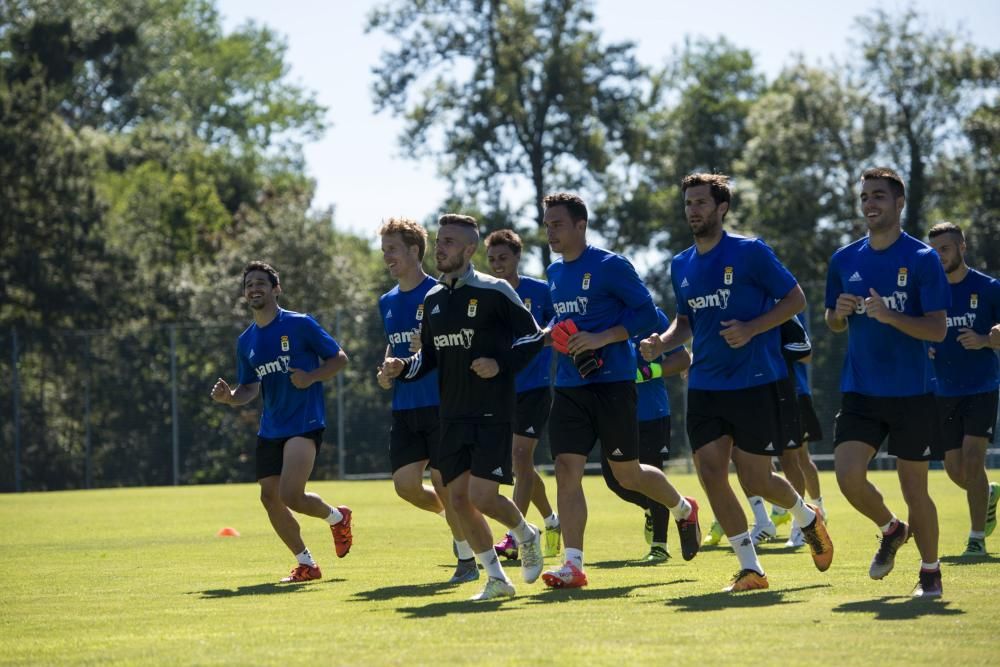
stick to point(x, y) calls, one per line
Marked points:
point(287, 356)
point(968, 374)
point(889, 291)
point(413, 436)
point(653, 414)
point(534, 399)
point(600, 302)
point(732, 295)
point(478, 334)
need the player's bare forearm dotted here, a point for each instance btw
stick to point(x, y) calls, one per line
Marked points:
point(932, 327)
point(785, 309)
point(243, 394)
point(678, 333)
point(834, 322)
point(330, 367)
point(676, 362)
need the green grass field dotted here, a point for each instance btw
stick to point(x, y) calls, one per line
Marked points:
point(138, 576)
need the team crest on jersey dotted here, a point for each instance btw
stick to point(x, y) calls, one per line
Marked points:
point(901, 277)
point(284, 344)
point(420, 312)
point(586, 281)
point(473, 305)
point(727, 276)
point(973, 301)
point(527, 303)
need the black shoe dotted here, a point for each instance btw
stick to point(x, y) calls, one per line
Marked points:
point(929, 584)
point(885, 557)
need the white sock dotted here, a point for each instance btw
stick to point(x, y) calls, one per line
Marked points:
point(443, 515)
point(930, 567)
point(977, 535)
point(551, 521)
point(574, 556)
point(778, 510)
point(662, 545)
point(818, 502)
point(335, 516)
point(760, 516)
point(305, 558)
point(802, 514)
point(491, 564)
point(889, 526)
point(681, 511)
point(465, 552)
point(523, 532)
point(747, 555)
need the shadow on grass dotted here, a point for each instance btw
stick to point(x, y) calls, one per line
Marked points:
point(270, 588)
point(899, 608)
point(402, 591)
point(965, 560)
point(720, 600)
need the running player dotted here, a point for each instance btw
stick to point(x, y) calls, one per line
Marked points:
point(413, 436)
point(287, 356)
point(600, 302)
point(968, 374)
point(653, 414)
point(889, 290)
point(732, 295)
point(478, 334)
point(534, 397)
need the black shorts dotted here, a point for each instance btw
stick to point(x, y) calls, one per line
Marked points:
point(271, 452)
point(482, 449)
point(532, 412)
point(602, 411)
point(974, 415)
point(654, 441)
point(413, 436)
point(910, 422)
point(812, 431)
point(788, 413)
point(750, 416)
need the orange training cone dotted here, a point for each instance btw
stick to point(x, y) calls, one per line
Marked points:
point(227, 532)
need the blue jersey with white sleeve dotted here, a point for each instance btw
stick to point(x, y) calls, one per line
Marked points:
point(535, 295)
point(975, 305)
point(739, 279)
point(653, 401)
point(599, 290)
point(265, 355)
point(881, 360)
point(402, 313)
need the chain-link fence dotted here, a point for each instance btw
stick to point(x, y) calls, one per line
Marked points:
point(108, 408)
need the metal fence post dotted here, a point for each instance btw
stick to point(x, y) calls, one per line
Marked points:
point(341, 454)
point(16, 398)
point(174, 425)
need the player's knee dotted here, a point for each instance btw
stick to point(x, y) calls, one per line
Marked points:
point(269, 497)
point(628, 476)
point(292, 498)
point(405, 488)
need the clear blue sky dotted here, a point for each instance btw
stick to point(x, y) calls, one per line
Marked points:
point(357, 165)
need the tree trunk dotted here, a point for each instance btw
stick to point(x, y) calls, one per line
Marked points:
point(917, 190)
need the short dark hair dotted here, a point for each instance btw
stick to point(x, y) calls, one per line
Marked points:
point(507, 237)
point(457, 219)
point(257, 265)
point(573, 203)
point(718, 185)
point(896, 185)
point(945, 228)
point(412, 233)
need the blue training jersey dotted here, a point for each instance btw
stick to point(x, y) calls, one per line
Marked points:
point(975, 304)
point(881, 360)
point(265, 355)
point(402, 313)
point(800, 368)
point(535, 295)
point(739, 279)
point(599, 290)
point(652, 394)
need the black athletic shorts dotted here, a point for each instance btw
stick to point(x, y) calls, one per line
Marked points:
point(812, 431)
point(654, 441)
point(532, 412)
point(482, 449)
point(750, 416)
point(910, 422)
point(271, 452)
point(788, 413)
point(413, 436)
point(974, 415)
point(602, 411)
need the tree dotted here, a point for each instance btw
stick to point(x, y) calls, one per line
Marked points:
point(507, 91)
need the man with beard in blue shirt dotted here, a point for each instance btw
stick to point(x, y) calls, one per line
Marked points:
point(286, 356)
point(600, 302)
point(968, 374)
point(732, 296)
point(889, 290)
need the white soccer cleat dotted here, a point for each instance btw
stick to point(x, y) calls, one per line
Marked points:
point(495, 588)
point(761, 533)
point(531, 556)
point(796, 539)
